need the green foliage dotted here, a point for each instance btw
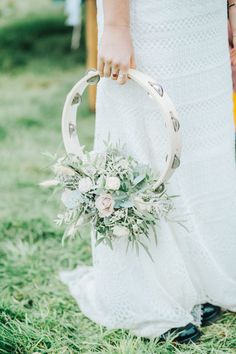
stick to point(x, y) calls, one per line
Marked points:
point(37, 38)
point(2, 133)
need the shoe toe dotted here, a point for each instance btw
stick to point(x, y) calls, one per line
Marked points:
point(210, 313)
point(189, 333)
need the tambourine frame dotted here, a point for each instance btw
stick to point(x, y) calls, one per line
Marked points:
point(155, 90)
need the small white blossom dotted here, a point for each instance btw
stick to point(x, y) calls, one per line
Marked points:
point(85, 184)
point(135, 228)
point(141, 205)
point(112, 183)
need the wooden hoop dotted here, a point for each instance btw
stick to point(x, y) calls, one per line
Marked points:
point(155, 90)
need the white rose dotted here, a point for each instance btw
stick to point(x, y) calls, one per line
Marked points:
point(120, 231)
point(64, 170)
point(105, 204)
point(112, 183)
point(141, 205)
point(85, 184)
point(70, 198)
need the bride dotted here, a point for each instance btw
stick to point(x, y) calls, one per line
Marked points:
point(183, 46)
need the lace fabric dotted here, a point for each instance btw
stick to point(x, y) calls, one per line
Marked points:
point(183, 45)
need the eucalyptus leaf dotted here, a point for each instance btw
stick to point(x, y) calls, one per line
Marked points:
point(124, 187)
point(109, 243)
point(98, 191)
point(154, 233)
point(139, 179)
point(146, 250)
point(127, 204)
point(136, 247)
point(106, 221)
point(100, 240)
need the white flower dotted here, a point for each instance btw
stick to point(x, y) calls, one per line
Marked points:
point(63, 170)
point(120, 231)
point(85, 184)
point(49, 183)
point(89, 170)
point(70, 198)
point(105, 204)
point(112, 183)
point(141, 205)
point(135, 228)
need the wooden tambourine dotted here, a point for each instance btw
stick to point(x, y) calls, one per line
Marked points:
point(153, 89)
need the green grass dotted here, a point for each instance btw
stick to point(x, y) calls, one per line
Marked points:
point(37, 314)
point(27, 40)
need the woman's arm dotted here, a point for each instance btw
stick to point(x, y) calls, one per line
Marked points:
point(116, 54)
point(232, 19)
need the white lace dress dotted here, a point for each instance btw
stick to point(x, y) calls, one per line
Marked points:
point(183, 46)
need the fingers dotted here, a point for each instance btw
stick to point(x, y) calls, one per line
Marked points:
point(107, 68)
point(117, 71)
point(123, 74)
point(234, 42)
point(100, 66)
point(132, 62)
point(233, 56)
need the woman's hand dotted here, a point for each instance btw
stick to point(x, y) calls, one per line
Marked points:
point(116, 53)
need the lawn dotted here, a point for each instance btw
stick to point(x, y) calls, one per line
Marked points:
point(37, 314)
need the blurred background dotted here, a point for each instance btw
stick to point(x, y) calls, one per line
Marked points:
point(43, 52)
point(45, 47)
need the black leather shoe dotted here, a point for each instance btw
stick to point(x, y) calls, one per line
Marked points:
point(183, 335)
point(210, 313)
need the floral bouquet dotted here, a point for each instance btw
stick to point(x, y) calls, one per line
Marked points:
point(121, 197)
point(113, 192)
